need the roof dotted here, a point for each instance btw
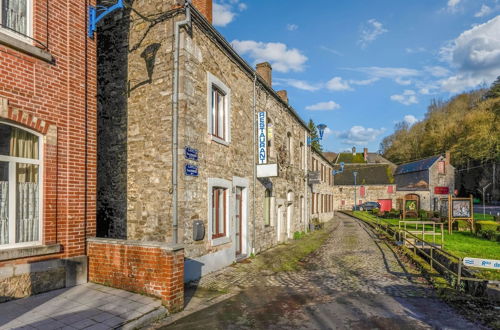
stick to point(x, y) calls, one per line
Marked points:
point(350, 158)
point(322, 155)
point(417, 166)
point(331, 156)
point(372, 174)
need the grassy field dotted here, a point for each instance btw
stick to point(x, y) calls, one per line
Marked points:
point(461, 244)
point(481, 216)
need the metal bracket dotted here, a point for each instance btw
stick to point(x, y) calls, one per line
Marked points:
point(97, 13)
point(341, 169)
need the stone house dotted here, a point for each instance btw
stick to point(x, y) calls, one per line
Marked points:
point(374, 180)
point(322, 201)
point(428, 179)
point(47, 145)
point(178, 116)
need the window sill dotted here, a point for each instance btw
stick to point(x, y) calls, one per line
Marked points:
point(221, 240)
point(24, 47)
point(219, 140)
point(30, 251)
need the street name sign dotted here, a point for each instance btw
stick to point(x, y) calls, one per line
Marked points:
point(191, 170)
point(482, 263)
point(190, 153)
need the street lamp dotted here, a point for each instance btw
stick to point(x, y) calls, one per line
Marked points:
point(355, 177)
point(321, 130)
point(483, 192)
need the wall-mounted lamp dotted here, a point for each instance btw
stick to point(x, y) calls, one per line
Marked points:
point(97, 13)
point(321, 131)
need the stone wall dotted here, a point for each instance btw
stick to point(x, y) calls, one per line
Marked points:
point(344, 195)
point(148, 143)
point(322, 201)
point(155, 269)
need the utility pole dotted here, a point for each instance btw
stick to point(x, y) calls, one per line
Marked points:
point(355, 176)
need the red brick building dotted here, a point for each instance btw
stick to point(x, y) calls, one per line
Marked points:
point(47, 145)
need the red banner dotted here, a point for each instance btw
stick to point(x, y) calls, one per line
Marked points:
point(441, 190)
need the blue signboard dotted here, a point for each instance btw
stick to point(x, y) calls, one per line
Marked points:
point(190, 153)
point(262, 127)
point(482, 263)
point(190, 170)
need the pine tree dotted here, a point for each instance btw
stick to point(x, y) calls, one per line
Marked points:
point(494, 90)
point(314, 134)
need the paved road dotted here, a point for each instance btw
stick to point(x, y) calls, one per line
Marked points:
point(353, 282)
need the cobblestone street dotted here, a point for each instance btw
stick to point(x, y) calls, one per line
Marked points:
point(354, 281)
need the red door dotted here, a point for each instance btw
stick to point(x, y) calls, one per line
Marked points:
point(385, 204)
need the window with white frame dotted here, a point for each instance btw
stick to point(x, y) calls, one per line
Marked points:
point(16, 17)
point(20, 186)
point(219, 110)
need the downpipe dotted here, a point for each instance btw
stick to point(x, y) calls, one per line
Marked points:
point(175, 120)
point(254, 157)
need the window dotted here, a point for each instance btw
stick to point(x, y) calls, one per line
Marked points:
point(289, 146)
point(219, 110)
point(267, 208)
point(219, 212)
point(20, 188)
point(302, 156)
point(390, 189)
point(15, 17)
point(362, 191)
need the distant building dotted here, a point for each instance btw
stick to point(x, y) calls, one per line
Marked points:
point(374, 180)
point(430, 179)
point(322, 198)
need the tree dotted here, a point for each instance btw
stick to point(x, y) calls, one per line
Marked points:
point(314, 134)
point(494, 90)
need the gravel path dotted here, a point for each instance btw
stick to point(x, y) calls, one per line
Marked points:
point(354, 281)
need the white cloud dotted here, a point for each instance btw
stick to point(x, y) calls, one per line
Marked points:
point(424, 91)
point(359, 135)
point(224, 11)
point(337, 84)
point(415, 50)
point(330, 105)
point(437, 71)
point(452, 5)
point(364, 82)
point(408, 97)
point(387, 72)
point(282, 58)
point(403, 82)
point(484, 11)
point(410, 119)
point(370, 31)
point(292, 27)
point(331, 50)
point(475, 54)
point(299, 84)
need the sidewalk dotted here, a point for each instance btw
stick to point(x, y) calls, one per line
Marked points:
point(88, 306)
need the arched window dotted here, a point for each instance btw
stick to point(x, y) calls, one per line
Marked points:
point(267, 207)
point(20, 186)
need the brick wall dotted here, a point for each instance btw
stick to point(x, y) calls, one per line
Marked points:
point(155, 269)
point(57, 99)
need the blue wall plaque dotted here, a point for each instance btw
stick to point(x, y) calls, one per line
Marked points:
point(190, 153)
point(190, 170)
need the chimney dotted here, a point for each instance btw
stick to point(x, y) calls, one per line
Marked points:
point(266, 72)
point(353, 151)
point(204, 7)
point(284, 95)
point(365, 152)
point(448, 158)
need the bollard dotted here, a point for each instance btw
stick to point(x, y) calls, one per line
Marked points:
point(459, 272)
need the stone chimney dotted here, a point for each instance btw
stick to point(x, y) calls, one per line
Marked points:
point(266, 72)
point(448, 158)
point(353, 151)
point(365, 153)
point(284, 95)
point(204, 7)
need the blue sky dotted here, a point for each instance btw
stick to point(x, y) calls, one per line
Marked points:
point(360, 66)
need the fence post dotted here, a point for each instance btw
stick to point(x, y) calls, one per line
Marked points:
point(431, 258)
point(459, 272)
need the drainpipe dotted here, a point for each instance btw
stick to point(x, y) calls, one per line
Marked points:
point(254, 155)
point(175, 119)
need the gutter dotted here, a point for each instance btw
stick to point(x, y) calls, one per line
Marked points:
point(175, 120)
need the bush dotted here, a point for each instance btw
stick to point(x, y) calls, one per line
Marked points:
point(461, 225)
point(487, 225)
point(422, 214)
point(491, 235)
point(375, 211)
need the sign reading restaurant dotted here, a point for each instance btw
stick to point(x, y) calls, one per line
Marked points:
point(262, 137)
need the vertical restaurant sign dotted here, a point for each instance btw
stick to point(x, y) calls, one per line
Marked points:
point(262, 137)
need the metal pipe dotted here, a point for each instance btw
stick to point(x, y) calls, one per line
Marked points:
point(175, 120)
point(254, 133)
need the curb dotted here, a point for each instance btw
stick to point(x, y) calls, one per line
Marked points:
point(145, 319)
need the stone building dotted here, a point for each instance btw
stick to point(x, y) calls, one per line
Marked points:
point(47, 145)
point(374, 180)
point(428, 179)
point(199, 186)
point(322, 201)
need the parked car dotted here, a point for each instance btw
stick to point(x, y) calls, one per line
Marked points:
point(367, 206)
